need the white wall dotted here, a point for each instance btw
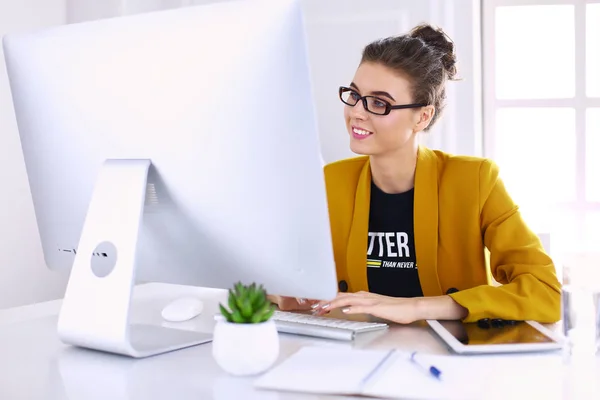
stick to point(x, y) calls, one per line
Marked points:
point(337, 31)
point(23, 276)
point(346, 26)
point(88, 10)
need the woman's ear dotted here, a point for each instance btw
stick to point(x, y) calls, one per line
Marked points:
point(425, 115)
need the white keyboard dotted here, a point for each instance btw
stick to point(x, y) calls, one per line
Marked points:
point(323, 327)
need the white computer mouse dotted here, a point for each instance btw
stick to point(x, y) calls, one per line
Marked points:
point(182, 309)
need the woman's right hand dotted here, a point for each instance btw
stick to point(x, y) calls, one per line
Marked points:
point(291, 303)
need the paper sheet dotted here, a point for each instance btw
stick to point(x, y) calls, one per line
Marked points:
point(508, 376)
point(514, 376)
point(324, 370)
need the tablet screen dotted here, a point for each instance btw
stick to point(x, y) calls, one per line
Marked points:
point(472, 334)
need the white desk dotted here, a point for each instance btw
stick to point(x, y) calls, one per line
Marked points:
point(34, 364)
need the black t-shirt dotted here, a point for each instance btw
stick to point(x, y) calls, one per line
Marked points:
point(391, 258)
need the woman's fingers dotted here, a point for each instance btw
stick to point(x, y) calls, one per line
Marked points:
point(348, 301)
point(359, 299)
point(345, 300)
point(285, 303)
point(342, 296)
point(358, 309)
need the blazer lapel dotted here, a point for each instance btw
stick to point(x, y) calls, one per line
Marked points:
point(426, 221)
point(356, 254)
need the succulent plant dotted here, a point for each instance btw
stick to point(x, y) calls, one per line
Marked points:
point(247, 305)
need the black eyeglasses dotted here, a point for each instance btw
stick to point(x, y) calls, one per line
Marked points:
point(372, 104)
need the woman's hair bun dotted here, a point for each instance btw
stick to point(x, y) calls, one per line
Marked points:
point(438, 39)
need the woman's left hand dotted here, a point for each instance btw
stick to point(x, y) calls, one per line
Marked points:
point(395, 309)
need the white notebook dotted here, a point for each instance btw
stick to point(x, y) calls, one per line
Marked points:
point(392, 374)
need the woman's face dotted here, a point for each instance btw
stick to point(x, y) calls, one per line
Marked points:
point(372, 134)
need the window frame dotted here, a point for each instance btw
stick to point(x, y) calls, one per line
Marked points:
point(580, 102)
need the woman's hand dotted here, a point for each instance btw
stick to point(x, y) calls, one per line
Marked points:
point(395, 309)
point(291, 303)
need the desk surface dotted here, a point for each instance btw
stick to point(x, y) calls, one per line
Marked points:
point(34, 364)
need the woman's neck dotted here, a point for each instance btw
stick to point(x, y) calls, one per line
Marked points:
point(395, 173)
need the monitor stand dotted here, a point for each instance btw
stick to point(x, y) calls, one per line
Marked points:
point(96, 307)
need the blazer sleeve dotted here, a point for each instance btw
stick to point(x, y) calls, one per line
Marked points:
point(529, 287)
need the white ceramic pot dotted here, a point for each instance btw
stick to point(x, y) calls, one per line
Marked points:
point(245, 349)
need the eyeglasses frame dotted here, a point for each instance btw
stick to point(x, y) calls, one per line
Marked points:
point(388, 107)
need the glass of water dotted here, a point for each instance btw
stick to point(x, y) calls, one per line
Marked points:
point(581, 303)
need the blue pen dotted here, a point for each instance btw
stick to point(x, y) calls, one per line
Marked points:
point(435, 372)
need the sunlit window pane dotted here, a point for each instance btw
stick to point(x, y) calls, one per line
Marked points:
point(535, 148)
point(574, 231)
point(591, 230)
point(565, 232)
point(592, 154)
point(535, 52)
point(592, 44)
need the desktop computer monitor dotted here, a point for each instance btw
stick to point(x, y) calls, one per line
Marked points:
point(177, 146)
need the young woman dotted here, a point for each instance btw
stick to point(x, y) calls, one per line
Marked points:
point(410, 225)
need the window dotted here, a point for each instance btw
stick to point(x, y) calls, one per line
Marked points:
point(541, 66)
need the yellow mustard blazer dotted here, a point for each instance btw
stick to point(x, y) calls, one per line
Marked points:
point(461, 207)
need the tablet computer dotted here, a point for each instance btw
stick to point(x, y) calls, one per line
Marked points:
point(519, 336)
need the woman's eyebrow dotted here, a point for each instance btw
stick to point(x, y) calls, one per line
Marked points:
point(376, 93)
